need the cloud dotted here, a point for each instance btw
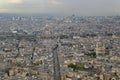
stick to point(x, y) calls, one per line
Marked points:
point(3, 9)
point(55, 2)
point(15, 1)
point(81, 7)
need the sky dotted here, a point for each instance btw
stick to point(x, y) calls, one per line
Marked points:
point(61, 7)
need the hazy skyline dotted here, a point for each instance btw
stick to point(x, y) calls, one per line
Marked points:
point(61, 7)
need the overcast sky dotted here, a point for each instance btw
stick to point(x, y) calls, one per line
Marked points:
point(62, 7)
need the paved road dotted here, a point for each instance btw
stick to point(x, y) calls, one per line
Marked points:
point(56, 64)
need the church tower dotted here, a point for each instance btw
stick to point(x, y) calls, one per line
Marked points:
point(100, 48)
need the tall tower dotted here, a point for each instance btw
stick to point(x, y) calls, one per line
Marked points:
point(56, 65)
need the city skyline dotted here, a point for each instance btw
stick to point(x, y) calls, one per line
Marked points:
point(61, 7)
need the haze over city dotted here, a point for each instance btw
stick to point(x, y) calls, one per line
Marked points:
point(61, 7)
point(59, 40)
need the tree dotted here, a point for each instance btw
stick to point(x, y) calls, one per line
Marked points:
point(76, 67)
